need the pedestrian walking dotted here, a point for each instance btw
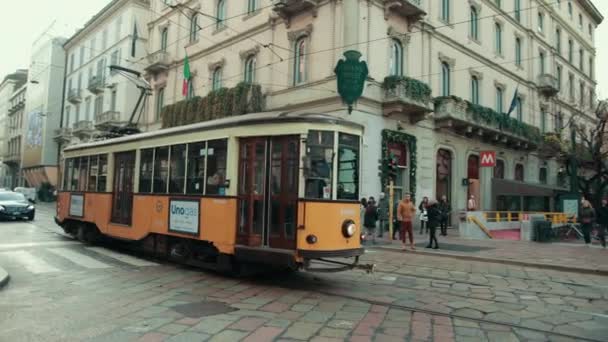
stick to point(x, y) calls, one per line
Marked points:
point(362, 212)
point(370, 220)
point(602, 221)
point(396, 221)
point(434, 215)
point(446, 209)
point(587, 218)
point(471, 203)
point(406, 212)
point(382, 214)
point(423, 214)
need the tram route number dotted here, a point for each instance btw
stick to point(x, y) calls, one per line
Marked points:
point(184, 216)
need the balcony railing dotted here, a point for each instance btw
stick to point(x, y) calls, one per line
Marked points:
point(158, 61)
point(74, 96)
point(63, 135)
point(548, 84)
point(288, 8)
point(83, 128)
point(408, 96)
point(107, 119)
point(96, 84)
point(473, 120)
point(405, 8)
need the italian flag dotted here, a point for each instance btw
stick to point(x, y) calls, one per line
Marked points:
point(187, 76)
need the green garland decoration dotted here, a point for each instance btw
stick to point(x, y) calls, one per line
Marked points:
point(389, 136)
point(242, 99)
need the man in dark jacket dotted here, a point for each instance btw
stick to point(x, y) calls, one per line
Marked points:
point(434, 217)
point(587, 219)
point(602, 221)
point(446, 210)
point(370, 218)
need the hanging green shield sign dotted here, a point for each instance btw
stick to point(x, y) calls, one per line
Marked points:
point(351, 74)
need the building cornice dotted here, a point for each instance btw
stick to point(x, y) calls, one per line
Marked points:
point(592, 10)
point(103, 14)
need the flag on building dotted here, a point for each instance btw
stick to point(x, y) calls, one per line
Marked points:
point(187, 76)
point(513, 102)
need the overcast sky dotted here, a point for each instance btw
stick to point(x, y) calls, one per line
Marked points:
point(18, 33)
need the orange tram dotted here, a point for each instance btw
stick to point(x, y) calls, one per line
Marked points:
point(267, 189)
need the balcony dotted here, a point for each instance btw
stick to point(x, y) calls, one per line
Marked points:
point(74, 96)
point(477, 122)
point(286, 9)
point(405, 8)
point(83, 129)
point(406, 96)
point(12, 158)
point(548, 85)
point(63, 135)
point(97, 84)
point(157, 62)
point(16, 106)
point(107, 120)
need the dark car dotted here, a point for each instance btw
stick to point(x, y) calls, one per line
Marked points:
point(13, 205)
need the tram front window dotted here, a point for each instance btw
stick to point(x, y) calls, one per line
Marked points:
point(348, 167)
point(320, 152)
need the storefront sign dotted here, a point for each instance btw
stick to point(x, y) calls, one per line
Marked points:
point(184, 216)
point(488, 158)
point(77, 205)
point(351, 74)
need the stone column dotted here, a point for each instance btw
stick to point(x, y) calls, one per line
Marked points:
point(485, 187)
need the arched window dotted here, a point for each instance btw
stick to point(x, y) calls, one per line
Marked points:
point(499, 169)
point(541, 60)
point(570, 50)
point(396, 63)
point(445, 10)
point(519, 172)
point(474, 23)
point(558, 41)
point(518, 51)
point(220, 14)
point(499, 99)
point(216, 79)
point(164, 34)
point(517, 10)
point(570, 9)
point(252, 6)
point(250, 69)
point(519, 108)
point(474, 90)
point(445, 79)
point(498, 39)
point(299, 62)
point(194, 28)
point(542, 175)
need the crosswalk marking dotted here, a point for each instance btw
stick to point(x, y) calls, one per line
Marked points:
point(30, 262)
point(78, 258)
point(127, 259)
point(4, 246)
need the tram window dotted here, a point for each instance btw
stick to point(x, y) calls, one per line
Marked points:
point(177, 170)
point(348, 166)
point(67, 177)
point(75, 174)
point(83, 176)
point(196, 168)
point(103, 173)
point(216, 167)
point(145, 170)
point(93, 163)
point(320, 152)
point(161, 169)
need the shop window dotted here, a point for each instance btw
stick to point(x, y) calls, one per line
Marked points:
point(146, 162)
point(348, 166)
point(320, 156)
point(161, 169)
point(177, 169)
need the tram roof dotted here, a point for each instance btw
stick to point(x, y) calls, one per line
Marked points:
point(247, 119)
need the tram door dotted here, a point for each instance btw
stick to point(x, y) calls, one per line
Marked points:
point(122, 189)
point(268, 191)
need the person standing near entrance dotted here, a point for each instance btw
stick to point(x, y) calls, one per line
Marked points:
point(471, 204)
point(587, 218)
point(445, 209)
point(382, 214)
point(602, 221)
point(423, 214)
point(434, 215)
point(405, 213)
point(370, 219)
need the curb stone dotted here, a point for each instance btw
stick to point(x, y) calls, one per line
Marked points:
point(4, 277)
point(502, 261)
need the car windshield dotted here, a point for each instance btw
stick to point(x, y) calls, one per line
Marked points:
point(11, 196)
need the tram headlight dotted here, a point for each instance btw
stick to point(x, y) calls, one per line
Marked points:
point(349, 228)
point(311, 239)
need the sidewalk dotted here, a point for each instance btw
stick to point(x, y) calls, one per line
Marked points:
point(4, 277)
point(572, 257)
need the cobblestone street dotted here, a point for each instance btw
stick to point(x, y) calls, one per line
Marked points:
point(412, 297)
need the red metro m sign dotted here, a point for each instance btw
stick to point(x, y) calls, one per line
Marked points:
point(487, 158)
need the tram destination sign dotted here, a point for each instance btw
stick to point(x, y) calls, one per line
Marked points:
point(184, 216)
point(351, 74)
